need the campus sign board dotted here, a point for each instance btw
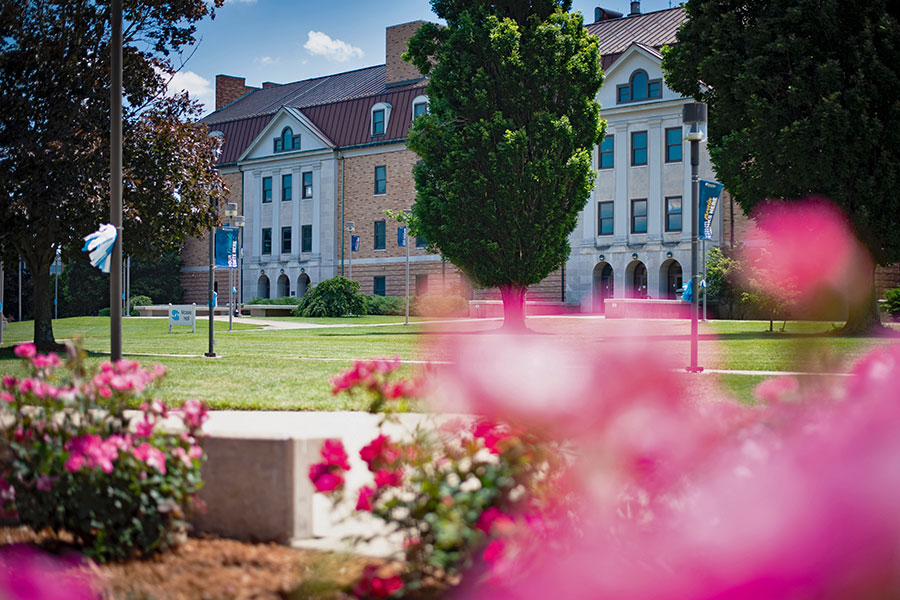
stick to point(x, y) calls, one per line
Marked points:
point(183, 314)
point(227, 248)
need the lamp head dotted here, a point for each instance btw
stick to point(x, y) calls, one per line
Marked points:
point(694, 118)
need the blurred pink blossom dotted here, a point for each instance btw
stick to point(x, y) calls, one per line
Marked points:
point(28, 350)
point(151, 455)
point(27, 574)
point(776, 388)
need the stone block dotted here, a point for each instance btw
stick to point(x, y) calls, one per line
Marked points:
point(258, 489)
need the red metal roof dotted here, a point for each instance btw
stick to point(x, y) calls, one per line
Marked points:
point(238, 134)
point(654, 29)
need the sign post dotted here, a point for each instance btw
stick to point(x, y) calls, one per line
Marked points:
point(183, 314)
point(402, 241)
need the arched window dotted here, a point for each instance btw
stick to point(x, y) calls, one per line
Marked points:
point(639, 87)
point(419, 106)
point(380, 116)
point(287, 141)
point(603, 285)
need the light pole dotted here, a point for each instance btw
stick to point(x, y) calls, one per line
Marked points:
point(2, 322)
point(351, 227)
point(237, 221)
point(694, 119)
point(407, 212)
point(115, 181)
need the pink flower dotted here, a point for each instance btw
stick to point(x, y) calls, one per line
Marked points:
point(144, 428)
point(10, 382)
point(492, 518)
point(195, 452)
point(44, 483)
point(325, 478)
point(386, 478)
point(365, 498)
point(776, 389)
point(74, 463)
point(372, 586)
point(159, 370)
point(181, 455)
point(26, 350)
point(150, 455)
point(91, 451)
point(6, 397)
point(195, 414)
point(380, 452)
point(494, 551)
point(333, 453)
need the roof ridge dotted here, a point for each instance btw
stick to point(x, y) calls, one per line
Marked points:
point(325, 76)
point(643, 14)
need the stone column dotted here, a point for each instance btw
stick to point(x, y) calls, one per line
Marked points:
point(296, 243)
point(317, 211)
point(622, 165)
point(655, 158)
point(255, 225)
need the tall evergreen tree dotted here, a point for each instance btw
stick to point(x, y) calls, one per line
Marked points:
point(804, 98)
point(54, 133)
point(506, 146)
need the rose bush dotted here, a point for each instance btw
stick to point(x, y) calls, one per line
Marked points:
point(461, 493)
point(74, 461)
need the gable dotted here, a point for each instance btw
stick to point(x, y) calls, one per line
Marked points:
point(635, 58)
point(264, 146)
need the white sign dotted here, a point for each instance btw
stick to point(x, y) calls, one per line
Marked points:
point(183, 314)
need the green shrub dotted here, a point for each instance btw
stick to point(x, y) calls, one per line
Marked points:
point(386, 305)
point(432, 305)
point(139, 301)
point(71, 460)
point(335, 297)
point(892, 302)
point(103, 312)
point(270, 301)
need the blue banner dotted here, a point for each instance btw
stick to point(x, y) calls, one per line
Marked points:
point(354, 243)
point(401, 236)
point(710, 191)
point(227, 248)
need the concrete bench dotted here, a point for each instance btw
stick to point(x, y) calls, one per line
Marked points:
point(270, 310)
point(646, 308)
point(494, 308)
point(162, 310)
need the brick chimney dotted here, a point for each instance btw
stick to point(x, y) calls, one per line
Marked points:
point(229, 89)
point(397, 37)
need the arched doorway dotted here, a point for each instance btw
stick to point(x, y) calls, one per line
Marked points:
point(670, 279)
point(638, 280)
point(603, 285)
point(284, 286)
point(302, 284)
point(262, 286)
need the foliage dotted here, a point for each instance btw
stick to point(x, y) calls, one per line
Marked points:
point(103, 312)
point(385, 305)
point(335, 297)
point(437, 305)
point(73, 461)
point(801, 94)
point(270, 301)
point(506, 146)
point(455, 493)
point(723, 280)
point(54, 143)
point(139, 301)
point(892, 302)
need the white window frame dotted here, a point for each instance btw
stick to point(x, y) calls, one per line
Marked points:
point(386, 107)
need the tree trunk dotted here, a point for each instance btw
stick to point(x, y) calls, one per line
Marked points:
point(513, 308)
point(863, 317)
point(39, 266)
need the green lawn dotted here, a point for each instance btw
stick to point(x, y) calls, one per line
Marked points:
point(289, 369)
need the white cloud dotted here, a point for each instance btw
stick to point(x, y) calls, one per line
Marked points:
point(196, 86)
point(338, 50)
point(267, 60)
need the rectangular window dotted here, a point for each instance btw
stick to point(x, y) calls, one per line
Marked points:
point(307, 185)
point(421, 285)
point(267, 189)
point(285, 188)
point(654, 89)
point(295, 142)
point(639, 216)
point(267, 240)
point(638, 148)
point(673, 145)
point(380, 236)
point(279, 145)
point(607, 147)
point(673, 213)
point(380, 180)
point(605, 222)
point(378, 122)
point(419, 108)
point(285, 240)
point(306, 238)
point(421, 242)
point(624, 94)
point(378, 287)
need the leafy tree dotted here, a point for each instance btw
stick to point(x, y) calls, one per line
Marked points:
point(506, 146)
point(804, 97)
point(54, 135)
point(722, 280)
point(335, 297)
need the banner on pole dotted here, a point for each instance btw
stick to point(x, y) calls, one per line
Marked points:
point(354, 243)
point(401, 236)
point(227, 248)
point(710, 191)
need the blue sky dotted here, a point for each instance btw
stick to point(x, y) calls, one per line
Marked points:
point(289, 40)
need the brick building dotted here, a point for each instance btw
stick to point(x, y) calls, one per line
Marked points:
point(306, 158)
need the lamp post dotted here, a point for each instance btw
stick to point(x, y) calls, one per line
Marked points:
point(211, 353)
point(694, 119)
point(238, 221)
point(407, 212)
point(351, 227)
point(115, 181)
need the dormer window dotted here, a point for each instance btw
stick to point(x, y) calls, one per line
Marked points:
point(639, 87)
point(420, 106)
point(381, 115)
point(287, 141)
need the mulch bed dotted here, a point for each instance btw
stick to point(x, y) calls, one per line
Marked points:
point(209, 568)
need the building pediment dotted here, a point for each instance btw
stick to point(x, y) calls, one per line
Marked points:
point(289, 132)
